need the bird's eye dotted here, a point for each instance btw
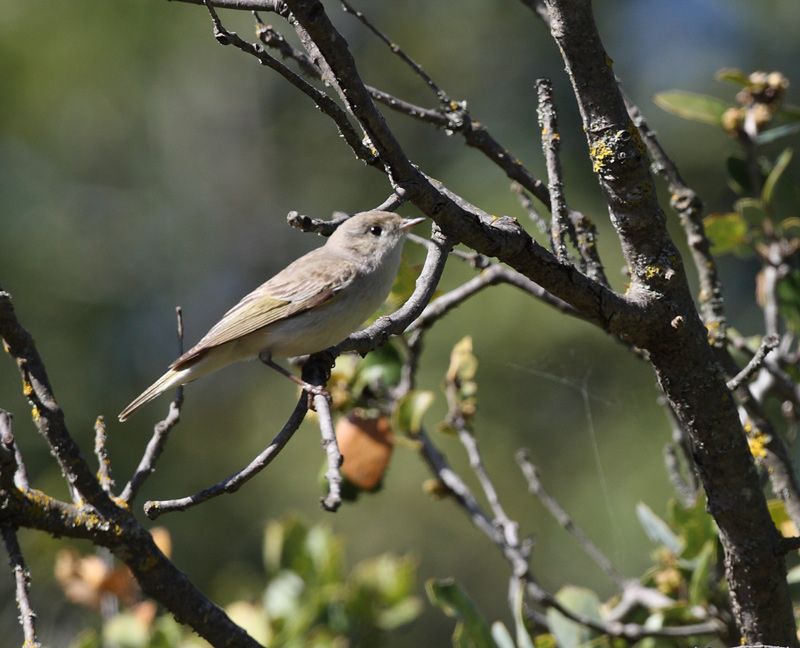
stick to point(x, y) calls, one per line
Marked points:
point(376, 230)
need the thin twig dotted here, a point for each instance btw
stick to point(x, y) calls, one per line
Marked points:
point(231, 484)
point(11, 459)
point(517, 559)
point(320, 99)
point(161, 430)
point(8, 453)
point(317, 225)
point(408, 372)
point(101, 452)
point(527, 204)
point(509, 527)
point(455, 118)
point(495, 274)
point(416, 67)
point(768, 343)
point(273, 39)
point(551, 138)
point(555, 509)
point(394, 324)
point(22, 578)
point(333, 499)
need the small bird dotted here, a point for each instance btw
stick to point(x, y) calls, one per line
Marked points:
point(312, 304)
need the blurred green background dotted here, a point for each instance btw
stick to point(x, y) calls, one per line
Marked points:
point(144, 166)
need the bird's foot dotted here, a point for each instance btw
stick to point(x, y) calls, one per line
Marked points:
point(313, 391)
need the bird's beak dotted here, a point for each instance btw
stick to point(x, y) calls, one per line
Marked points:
point(408, 223)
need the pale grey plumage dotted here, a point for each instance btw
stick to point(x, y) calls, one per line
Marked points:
point(313, 303)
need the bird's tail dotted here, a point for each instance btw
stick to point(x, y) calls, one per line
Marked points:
point(172, 378)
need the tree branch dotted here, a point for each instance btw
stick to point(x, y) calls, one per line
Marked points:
point(147, 464)
point(101, 452)
point(768, 343)
point(45, 411)
point(22, 578)
point(677, 343)
point(502, 237)
point(551, 138)
point(689, 207)
point(153, 509)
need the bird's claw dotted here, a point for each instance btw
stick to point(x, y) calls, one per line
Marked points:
point(313, 391)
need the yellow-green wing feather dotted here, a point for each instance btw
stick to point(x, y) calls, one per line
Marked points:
point(307, 282)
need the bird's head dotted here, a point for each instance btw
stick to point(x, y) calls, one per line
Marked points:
point(371, 234)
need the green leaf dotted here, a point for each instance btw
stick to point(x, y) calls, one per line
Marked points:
point(399, 614)
point(775, 134)
point(793, 576)
point(518, 602)
point(283, 545)
point(775, 175)
point(283, 595)
point(167, 633)
point(739, 175)
point(410, 410)
point(404, 284)
point(471, 630)
point(692, 106)
point(752, 210)
point(124, 630)
point(699, 584)
point(733, 75)
point(727, 232)
point(579, 600)
point(777, 511)
point(657, 530)
point(88, 639)
point(788, 113)
point(693, 525)
point(501, 635)
point(389, 578)
point(379, 370)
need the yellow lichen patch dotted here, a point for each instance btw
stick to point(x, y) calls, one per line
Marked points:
point(27, 389)
point(35, 414)
point(121, 503)
point(651, 271)
point(600, 152)
point(713, 333)
point(758, 444)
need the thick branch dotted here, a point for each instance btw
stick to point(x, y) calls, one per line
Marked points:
point(689, 207)
point(679, 352)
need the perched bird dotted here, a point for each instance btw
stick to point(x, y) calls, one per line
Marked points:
point(312, 304)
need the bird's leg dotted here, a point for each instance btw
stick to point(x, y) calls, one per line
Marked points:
point(312, 390)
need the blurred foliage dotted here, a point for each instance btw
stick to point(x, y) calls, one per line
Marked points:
point(144, 166)
point(311, 599)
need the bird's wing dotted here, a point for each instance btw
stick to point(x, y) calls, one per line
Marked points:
point(308, 282)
